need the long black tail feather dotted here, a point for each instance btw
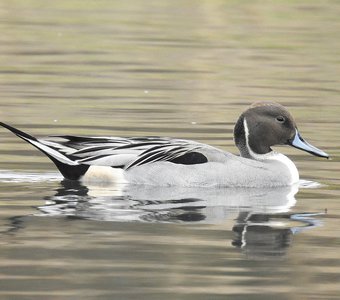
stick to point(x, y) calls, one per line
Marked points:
point(69, 171)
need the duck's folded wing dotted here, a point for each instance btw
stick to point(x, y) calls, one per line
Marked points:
point(73, 155)
point(127, 153)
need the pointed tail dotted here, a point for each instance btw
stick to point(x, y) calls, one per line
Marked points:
point(68, 168)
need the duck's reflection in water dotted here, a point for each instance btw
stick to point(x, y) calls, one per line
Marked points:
point(257, 236)
point(165, 204)
point(263, 224)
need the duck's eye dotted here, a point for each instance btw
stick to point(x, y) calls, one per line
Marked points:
point(280, 119)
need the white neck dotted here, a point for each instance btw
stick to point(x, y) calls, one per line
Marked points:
point(252, 154)
point(271, 156)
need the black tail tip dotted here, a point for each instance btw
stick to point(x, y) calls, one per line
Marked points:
point(18, 132)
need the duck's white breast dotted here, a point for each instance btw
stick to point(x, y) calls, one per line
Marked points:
point(289, 165)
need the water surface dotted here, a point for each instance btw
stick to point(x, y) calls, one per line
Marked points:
point(167, 68)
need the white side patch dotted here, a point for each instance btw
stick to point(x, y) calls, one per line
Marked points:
point(103, 175)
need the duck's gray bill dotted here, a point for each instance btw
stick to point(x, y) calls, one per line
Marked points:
point(300, 143)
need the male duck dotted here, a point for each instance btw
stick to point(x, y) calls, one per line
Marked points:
point(166, 161)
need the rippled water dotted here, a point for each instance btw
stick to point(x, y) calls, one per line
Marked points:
point(171, 68)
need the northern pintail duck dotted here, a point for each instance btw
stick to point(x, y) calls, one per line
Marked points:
point(166, 161)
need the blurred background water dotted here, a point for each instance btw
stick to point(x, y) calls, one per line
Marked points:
point(169, 68)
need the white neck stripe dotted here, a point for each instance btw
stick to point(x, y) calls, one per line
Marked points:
point(250, 151)
point(273, 155)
